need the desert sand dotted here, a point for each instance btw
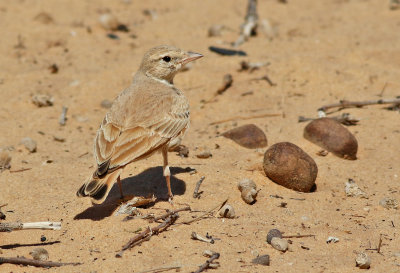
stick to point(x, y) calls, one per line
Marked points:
point(322, 52)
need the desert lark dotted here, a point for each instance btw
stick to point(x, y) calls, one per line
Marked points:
point(149, 116)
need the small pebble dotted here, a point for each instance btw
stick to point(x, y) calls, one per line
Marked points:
point(29, 144)
point(272, 234)
point(248, 190)
point(43, 238)
point(113, 36)
point(108, 21)
point(389, 203)
point(227, 211)
point(363, 261)
point(53, 69)
point(39, 254)
point(205, 154)
point(215, 30)
point(150, 13)
point(182, 150)
point(246, 183)
point(352, 189)
point(42, 100)
point(59, 138)
point(332, 239)
point(279, 244)
point(263, 260)
point(5, 160)
point(106, 104)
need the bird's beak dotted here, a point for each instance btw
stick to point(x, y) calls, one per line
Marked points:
point(191, 56)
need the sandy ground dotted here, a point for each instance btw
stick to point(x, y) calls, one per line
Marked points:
point(324, 51)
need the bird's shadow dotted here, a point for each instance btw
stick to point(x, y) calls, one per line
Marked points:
point(149, 182)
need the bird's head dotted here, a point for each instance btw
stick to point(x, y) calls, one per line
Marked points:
point(163, 62)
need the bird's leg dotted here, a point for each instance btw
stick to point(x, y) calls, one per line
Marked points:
point(120, 187)
point(167, 173)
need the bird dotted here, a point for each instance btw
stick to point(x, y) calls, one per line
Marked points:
point(149, 116)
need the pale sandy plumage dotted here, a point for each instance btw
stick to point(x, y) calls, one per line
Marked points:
point(150, 115)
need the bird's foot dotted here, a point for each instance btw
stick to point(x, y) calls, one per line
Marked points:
point(170, 200)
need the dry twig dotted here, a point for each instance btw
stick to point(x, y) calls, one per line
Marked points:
point(226, 83)
point(248, 66)
point(298, 236)
point(20, 170)
point(161, 269)
point(196, 236)
point(249, 27)
point(378, 249)
point(37, 263)
point(344, 118)
point(146, 235)
point(7, 227)
point(196, 193)
point(208, 262)
point(206, 213)
point(63, 116)
point(349, 104)
point(169, 213)
point(266, 78)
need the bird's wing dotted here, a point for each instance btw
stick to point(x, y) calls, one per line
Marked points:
point(147, 128)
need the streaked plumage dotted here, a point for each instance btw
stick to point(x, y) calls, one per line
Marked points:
point(150, 115)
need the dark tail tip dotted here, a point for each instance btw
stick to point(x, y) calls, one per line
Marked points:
point(100, 193)
point(81, 191)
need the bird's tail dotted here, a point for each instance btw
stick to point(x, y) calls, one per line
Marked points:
point(98, 188)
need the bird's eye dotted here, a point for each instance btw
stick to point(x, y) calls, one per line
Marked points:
point(167, 59)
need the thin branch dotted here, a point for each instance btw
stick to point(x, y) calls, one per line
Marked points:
point(244, 118)
point(35, 225)
point(298, 236)
point(20, 170)
point(63, 116)
point(206, 213)
point(207, 263)
point(160, 269)
point(379, 244)
point(164, 216)
point(11, 246)
point(266, 78)
point(196, 193)
point(37, 263)
point(249, 26)
point(349, 104)
point(344, 118)
point(196, 236)
point(146, 235)
point(226, 83)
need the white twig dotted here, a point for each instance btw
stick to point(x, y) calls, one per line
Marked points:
point(34, 225)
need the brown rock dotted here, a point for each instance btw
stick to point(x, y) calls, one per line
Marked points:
point(289, 166)
point(248, 136)
point(332, 136)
